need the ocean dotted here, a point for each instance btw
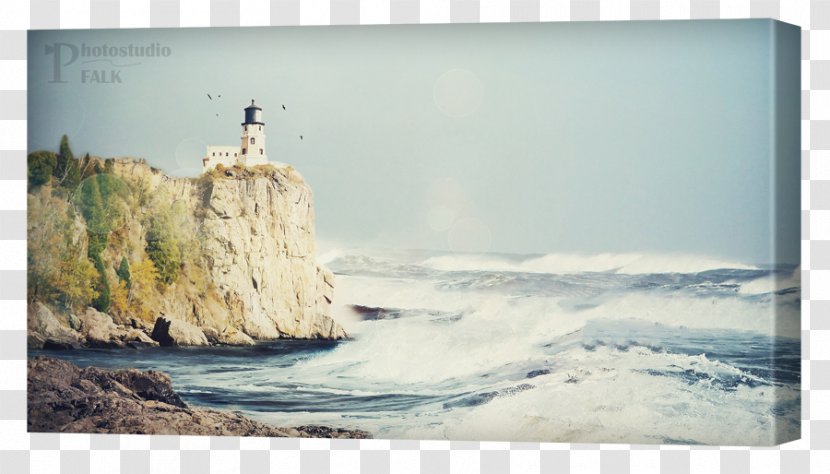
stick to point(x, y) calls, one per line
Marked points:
point(614, 348)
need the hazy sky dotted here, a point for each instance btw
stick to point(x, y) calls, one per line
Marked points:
point(522, 138)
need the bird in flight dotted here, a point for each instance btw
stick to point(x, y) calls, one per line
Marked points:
point(301, 137)
point(209, 97)
point(283, 106)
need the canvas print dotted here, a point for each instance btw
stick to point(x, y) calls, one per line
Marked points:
point(583, 232)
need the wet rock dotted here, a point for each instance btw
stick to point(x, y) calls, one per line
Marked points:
point(64, 398)
point(537, 373)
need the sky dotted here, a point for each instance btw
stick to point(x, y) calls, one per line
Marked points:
point(517, 138)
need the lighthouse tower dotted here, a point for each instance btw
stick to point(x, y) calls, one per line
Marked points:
point(253, 137)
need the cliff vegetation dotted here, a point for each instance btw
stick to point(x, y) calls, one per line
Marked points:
point(224, 258)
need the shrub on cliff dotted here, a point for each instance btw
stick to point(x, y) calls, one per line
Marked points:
point(124, 272)
point(144, 277)
point(102, 301)
point(171, 238)
point(41, 164)
point(67, 171)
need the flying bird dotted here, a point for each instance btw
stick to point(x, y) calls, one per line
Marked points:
point(209, 97)
point(283, 106)
point(220, 95)
point(217, 115)
point(301, 137)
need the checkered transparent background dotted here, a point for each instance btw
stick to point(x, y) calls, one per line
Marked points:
point(79, 453)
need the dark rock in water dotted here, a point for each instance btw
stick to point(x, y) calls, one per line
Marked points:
point(161, 332)
point(371, 313)
point(65, 398)
point(173, 332)
point(537, 373)
point(484, 397)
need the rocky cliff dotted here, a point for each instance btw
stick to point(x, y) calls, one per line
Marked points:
point(259, 249)
point(246, 267)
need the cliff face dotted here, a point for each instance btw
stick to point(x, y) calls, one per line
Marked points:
point(250, 274)
point(259, 250)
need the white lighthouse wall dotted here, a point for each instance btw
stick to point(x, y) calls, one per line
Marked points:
point(225, 155)
point(253, 156)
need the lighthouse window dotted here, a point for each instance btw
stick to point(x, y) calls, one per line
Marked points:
point(226, 153)
point(260, 151)
point(234, 155)
point(252, 140)
point(244, 150)
point(260, 127)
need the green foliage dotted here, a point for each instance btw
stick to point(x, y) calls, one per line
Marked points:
point(78, 230)
point(65, 151)
point(67, 170)
point(124, 272)
point(99, 198)
point(171, 239)
point(41, 164)
point(102, 302)
point(76, 281)
point(166, 256)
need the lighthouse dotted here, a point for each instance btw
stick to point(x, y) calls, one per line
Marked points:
point(253, 137)
point(251, 151)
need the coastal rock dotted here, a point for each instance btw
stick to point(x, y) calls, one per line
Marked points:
point(100, 330)
point(258, 237)
point(257, 240)
point(137, 338)
point(173, 332)
point(64, 398)
point(46, 331)
point(229, 336)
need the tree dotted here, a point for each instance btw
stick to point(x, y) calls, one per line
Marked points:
point(91, 204)
point(76, 281)
point(67, 170)
point(41, 165)
point(144, 277)
point(170, 238)
point(167, 258)
point(102, 301)
point(124, 272)
point(119, 299)
point(100, 200)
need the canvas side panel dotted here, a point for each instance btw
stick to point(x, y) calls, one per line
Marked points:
point(786, 160)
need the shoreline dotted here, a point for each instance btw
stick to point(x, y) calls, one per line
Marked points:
point(65, 398)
